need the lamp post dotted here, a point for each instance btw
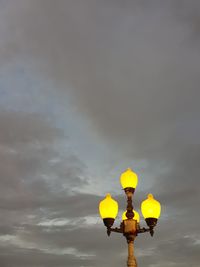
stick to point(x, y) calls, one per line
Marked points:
point(130, 226)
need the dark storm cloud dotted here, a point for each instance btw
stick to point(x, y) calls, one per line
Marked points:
point(36, 174)
point(180, 253)
point(174, 250)
point(19, 128)
point(185, 170)
point(133, 69)
point(29, 153)
point(35, 258)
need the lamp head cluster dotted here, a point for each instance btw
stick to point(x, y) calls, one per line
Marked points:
point(151, 208)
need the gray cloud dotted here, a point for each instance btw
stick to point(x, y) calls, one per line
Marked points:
point(33, 257)
point(39, 182)
point(129, 68)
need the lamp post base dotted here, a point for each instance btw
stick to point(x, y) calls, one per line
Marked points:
point(131, 262)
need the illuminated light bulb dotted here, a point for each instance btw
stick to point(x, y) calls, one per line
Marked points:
point(108, 207)
point(136, 216)
point(151, 208)
point(129, 179)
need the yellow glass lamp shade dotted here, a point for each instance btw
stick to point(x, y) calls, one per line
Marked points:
point(129, 179)
point(150, 208)
point(136, 216)
point(108, 207)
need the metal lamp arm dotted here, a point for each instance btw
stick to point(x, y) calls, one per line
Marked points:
point(144, 230)
point(116, 230)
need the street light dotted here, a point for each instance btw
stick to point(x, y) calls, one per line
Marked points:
point(130, 227)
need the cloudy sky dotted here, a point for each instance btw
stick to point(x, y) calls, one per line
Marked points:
point(89, 88)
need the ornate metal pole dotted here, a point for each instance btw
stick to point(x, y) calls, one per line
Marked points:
point(131, 262)
point(131, 233)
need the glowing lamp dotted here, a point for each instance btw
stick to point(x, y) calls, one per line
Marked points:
point(151, 209)
point(129, 179)
point(108, 209)
point(136, 216)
